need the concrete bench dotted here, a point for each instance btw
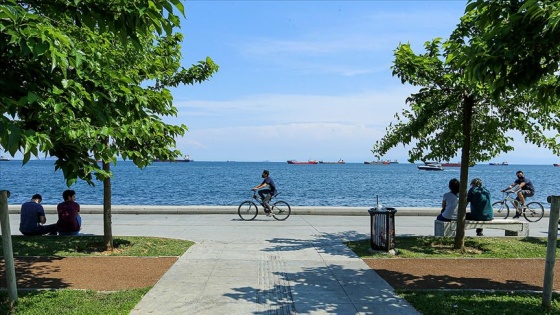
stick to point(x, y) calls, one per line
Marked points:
point(511, 227)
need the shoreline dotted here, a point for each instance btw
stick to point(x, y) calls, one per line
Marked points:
point(296, 210)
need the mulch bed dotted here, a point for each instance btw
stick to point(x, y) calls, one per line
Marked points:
point(487, 274)
point(118, 273)
point(94, 273)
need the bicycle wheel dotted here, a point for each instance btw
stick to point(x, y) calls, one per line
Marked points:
point(247, 210)
point(534, 212)
point(281, 210)
point(501, 209)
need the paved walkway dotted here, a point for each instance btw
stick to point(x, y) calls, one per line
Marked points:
point(299, 266)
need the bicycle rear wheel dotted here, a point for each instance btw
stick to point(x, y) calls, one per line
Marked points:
point(281, 210)
point(247, 210)
point(501, 209)
point(534, 212)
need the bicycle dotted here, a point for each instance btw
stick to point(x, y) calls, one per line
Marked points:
point(248, 209)
point(532, 212)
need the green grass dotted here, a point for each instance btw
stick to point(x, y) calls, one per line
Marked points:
point(479, 303)
point(66, 246)
point(68, 301)
point(476, 247)
point(433, 302)
point(81, 302)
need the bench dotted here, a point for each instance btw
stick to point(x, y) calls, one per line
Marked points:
point(511, 227)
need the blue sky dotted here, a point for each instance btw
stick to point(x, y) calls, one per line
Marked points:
point(305, 79)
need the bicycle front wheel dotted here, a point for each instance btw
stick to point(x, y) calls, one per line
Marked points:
point(247, 210)
point(501, 209)
point(281, 210)
point(534, 212)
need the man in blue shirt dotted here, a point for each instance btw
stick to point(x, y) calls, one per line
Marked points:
point(524, 189)
point(267, 190)
point(32, 218)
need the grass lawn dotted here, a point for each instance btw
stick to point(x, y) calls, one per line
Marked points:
point(432, 302)
point(68, 301)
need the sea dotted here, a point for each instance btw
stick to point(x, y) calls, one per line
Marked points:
point(229, 183)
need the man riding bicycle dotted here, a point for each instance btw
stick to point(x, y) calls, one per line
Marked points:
point(524, 189)
point(266, 193)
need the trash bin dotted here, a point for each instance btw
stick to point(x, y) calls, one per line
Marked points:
point(382, 222)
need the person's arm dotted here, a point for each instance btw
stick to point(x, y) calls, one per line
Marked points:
point(260, 186)
point(510, 187)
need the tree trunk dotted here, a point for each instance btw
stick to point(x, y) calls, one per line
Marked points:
point(468, 105)
point(107, 229)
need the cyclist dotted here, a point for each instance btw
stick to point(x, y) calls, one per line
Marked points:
point(524, 189)
point(266, 189)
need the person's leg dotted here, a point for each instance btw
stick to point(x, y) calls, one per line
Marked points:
point(69, 233)
point(442, 218)
point(520, 197)
point(49, 229)
point(470, 217)
point(266, 200)
point(262, 193)
point(33, 233)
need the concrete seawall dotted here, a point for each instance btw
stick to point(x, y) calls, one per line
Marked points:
point(296, 210)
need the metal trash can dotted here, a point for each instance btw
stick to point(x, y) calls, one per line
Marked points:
point(382, 221)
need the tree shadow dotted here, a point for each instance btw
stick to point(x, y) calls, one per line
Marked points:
point(51, 245)
point(34, 273)
point(400, 280)
point(332, 289)
point(325, 242)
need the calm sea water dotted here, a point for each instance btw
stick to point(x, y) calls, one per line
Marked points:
point(229, 183)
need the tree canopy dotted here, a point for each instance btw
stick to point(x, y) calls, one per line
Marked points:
point(451, 113)
point(89, 80)
point(516, 45)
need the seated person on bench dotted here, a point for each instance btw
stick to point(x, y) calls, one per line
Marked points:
point(450, 202)
point(481, 204)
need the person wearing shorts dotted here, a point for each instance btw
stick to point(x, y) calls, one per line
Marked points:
point(524, 188)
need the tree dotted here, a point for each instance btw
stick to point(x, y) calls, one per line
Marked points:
point(38, 55)
point(517, 48)
point(73, 78)
point(442, 117)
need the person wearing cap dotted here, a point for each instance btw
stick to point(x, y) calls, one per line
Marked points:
point(33, 219)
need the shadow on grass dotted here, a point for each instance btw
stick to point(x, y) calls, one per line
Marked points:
point(54, 245)
point(478, 303)
point(34, 273)
point(401, 280)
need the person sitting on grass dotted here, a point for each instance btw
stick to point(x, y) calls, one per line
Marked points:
point(481, 204)
point(69, 220)
point(33, 219)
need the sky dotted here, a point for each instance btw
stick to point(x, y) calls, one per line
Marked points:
point(305, 79)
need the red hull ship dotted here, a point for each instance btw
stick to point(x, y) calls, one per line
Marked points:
point(302, 162)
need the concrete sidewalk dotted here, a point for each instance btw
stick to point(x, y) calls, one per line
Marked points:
point(299, 266)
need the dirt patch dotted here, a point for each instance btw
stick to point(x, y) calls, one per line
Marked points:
point(489, 274)
point(94, 273)
point(119, 273)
